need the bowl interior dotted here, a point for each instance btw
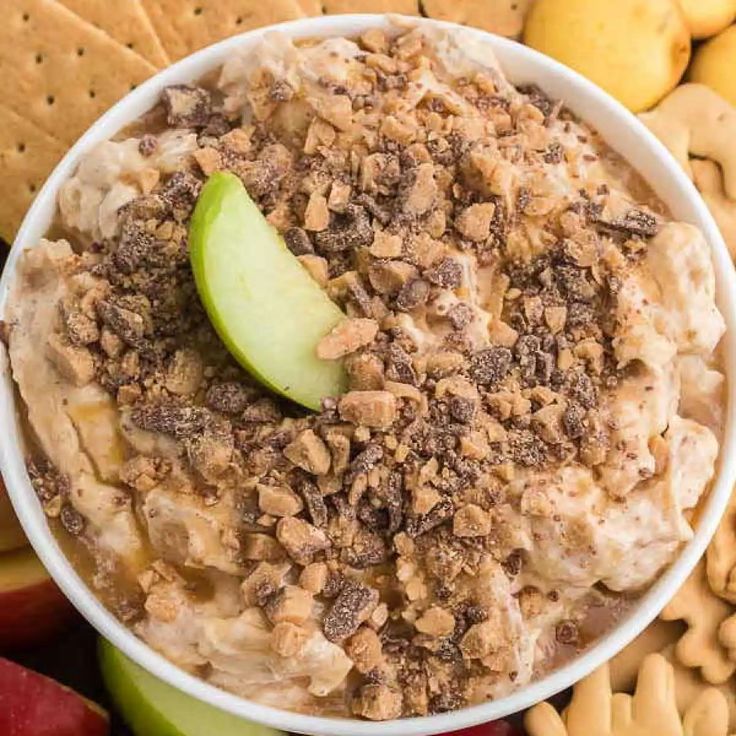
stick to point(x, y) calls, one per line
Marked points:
point(625, 134)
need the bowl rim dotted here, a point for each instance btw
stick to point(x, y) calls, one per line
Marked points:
point(674, 185)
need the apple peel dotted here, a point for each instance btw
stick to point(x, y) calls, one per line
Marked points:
point(31, 704)
point(151, 706)
point(262, 302)
point(32, 608)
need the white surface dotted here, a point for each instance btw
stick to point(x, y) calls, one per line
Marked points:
point(625, 134)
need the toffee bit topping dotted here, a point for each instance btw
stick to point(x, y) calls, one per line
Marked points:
point(261, 411)
point(567, 632)
point(309, 452)
point(230, 398)
point(178, 421)
point(634, 223)
point(462, 409)
point(126, 324)
point(441, 512)
point(539, 99)
point(71, 520)
point(489, 367)
point(47, 481)
point(298, 242)
point(333, 585)
point(526, 448)
point(471, 521)
point(399, 367)
point(350, 229)
point(186, 106)
point(554, 153)
point(180, 193)
point(80, 329)
point(148, 145)
point(368, 549)
point(446, 702)
point(460, 316)
point(300, 539)
point(582, 389)
point(314, 502)
point(354, 604)
point(377, 702)
point(291, 604)
point(573, 420)
point(368, 408)
point(414, 293)
point(366, 459)
point(393, 501)
point(448, 274)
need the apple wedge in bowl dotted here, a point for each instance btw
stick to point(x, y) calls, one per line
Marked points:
point(264, 305)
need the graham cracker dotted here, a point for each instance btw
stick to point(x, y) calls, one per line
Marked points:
point(27, 156)
point(187, 25)
point(162, 23)
point(311, 7)
point(124, 21)
point(61, 72)
point(404, 7)
point(503, 17)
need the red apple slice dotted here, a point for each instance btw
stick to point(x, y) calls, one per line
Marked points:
point(34, 705)
point(494, 728)
point(11, 534)
point(32, 608)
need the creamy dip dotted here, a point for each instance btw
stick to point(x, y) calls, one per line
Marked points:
point(535, 396)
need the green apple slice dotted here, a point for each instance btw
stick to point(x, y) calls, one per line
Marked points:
point(266, 308)
point(152, 708)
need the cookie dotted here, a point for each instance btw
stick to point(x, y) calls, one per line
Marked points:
point(689, 686)
point(714, 62)
point(27, 155)
point(126, 22)
point(703, 612)
point(652, 709)
point(727, 635)
point(661, 637)
point(625, 665)
point(721, 554)
point(311, 7)
point(405, 7)
point(173, 43)
point(674, 135)
point(707, 17)
point(707, 716)
point(504, 17)
point(61, 72)
point(594, 709)
point(184, 26)
point(695, 114)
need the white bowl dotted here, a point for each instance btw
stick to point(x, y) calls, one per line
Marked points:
point(626, 135)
